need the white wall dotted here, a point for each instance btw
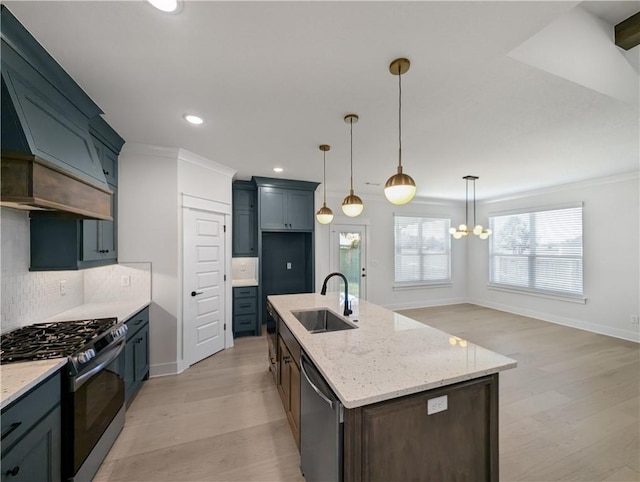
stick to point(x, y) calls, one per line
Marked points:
point(148, 232)
point(378, 215)
point(153, 182)
point(611, 242)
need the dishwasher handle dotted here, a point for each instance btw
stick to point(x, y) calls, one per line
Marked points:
point(315, 388)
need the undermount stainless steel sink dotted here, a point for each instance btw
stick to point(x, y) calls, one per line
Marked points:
point(321, 321)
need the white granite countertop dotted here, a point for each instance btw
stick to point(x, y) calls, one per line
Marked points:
point(241, 283)
point(388, 355)
point(16, 379)
point(123, 310)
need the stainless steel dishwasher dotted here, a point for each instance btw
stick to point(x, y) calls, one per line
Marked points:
point(321, 427)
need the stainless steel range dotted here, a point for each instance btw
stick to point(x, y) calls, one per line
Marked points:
point(93, 395)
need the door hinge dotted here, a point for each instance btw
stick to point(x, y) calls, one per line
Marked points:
point(225, 228)
point(225, 277)
point(225, 327)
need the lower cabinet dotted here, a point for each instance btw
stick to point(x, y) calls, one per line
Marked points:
point(136, 353)
point(411, 438)
point(31, 435)
point(245, 311)
point(288, 382)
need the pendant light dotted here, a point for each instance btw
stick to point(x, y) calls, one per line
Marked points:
point(463, 229)
point(324, 214)
point(352, 205)
point(400, 188)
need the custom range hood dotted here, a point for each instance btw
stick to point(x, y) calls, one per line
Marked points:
point(48, 158)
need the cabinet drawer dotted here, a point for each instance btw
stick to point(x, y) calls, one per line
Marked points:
point(244, 323)
point(245, 292)
point(137, 321)
point(28, 410)
point(244, 306)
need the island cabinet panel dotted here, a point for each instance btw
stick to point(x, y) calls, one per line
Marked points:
point(288, 379)
point(400, 440)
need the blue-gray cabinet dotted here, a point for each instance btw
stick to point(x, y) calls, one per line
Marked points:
point(63, 242)
point(31, 435)
point(286, 209)
point(245, 311)
point(286, 223)
point(244, 235)
point(136, 353)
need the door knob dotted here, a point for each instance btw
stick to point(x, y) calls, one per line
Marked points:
point(364, 275)
point(196, 293)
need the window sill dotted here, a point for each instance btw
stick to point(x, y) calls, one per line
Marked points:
point(579, 299)
point(419, 286)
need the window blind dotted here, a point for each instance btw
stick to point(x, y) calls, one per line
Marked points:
point(422, 250)
point(539, 250)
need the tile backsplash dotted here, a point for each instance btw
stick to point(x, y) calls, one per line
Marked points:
point(29, 297)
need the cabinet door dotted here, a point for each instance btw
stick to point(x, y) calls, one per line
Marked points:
point(110, 166)
point(142, 353)
point(109, 234)
point(129, 368)
point(244, 199)
point(244, 233)
point(294, 402)
point(91, 239)
point(272, 208)
point(37, 456)
point(284, 374)
point(300, 210)
point(458, 443)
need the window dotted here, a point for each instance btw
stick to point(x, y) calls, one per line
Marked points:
point(539, 251)
point(422, 250)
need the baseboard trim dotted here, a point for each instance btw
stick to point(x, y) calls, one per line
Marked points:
point(564, 321)
point(163, 369)
point(422, 304)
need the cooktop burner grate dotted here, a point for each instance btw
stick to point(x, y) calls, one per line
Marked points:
point(51, 340)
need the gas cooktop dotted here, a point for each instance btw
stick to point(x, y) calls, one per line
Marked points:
point(52, 340)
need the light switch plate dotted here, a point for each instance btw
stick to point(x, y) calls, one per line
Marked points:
point(436, 405)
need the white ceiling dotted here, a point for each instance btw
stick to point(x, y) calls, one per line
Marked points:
point(275, 79)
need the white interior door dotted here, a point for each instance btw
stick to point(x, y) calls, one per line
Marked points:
point(203, 284)
point(349, 256)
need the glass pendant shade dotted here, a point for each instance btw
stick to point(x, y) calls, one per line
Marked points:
point(400, 188)
point(324, 214)
point(352, 205)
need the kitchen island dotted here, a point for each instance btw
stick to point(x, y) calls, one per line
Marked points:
point(385, 372)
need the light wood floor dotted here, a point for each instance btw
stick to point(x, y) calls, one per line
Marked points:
point(570, 411)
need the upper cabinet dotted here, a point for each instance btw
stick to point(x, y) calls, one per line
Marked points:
point(285, 205)
point(61, 242)
point(245, 229)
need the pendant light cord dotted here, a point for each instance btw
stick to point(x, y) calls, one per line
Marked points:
point(351, 137)
point(466, 205)
point(474, 203)
point(399, 116)
point(324, 177)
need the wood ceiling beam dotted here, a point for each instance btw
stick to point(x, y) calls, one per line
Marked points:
point(628, 32)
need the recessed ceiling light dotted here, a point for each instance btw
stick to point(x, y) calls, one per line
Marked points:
point(193, 119)
point(168, 6)
point(277, 169)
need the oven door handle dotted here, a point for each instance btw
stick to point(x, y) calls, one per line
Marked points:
point(102, 361)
